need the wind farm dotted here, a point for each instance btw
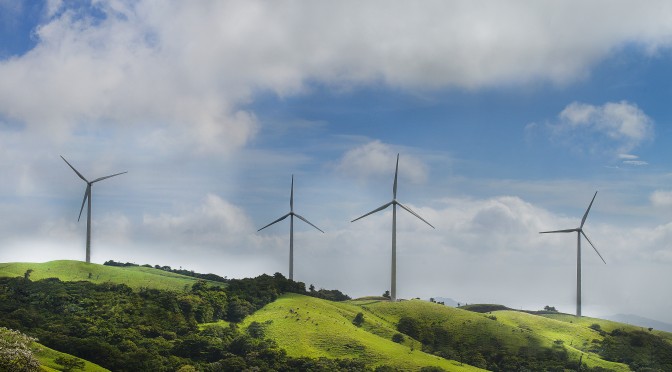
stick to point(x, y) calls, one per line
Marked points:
point(87, 201)
point(508, 116)
point(394, 203)
point(579, 232)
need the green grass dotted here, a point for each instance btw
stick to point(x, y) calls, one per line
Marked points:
point(576, 336)
point(607, 325)
point(310, 327)
point(511, 329)
point(133, 276)
point(46, 356)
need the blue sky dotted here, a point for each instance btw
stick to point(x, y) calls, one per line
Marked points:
point(508, 117)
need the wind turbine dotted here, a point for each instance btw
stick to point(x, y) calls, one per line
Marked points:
point(394, 203)
point(87, 197)
point(291, 215)
point(579, 232)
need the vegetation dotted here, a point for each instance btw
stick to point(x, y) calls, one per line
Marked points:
point(313, 328)
point(159, 319)
point(135, 277)
point(501, 341)
point(15, 352)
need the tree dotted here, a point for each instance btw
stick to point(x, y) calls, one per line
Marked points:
point(386, 294)
point(398, 338)
point(15, 352)
point(311, 288)
point(550, 308)
point(359, 319)
point(409, 326)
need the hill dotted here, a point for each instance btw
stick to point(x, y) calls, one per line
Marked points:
point(138, 318)
point(311, 327)
point(135, 277)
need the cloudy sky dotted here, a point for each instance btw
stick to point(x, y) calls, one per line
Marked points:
point(508, 117)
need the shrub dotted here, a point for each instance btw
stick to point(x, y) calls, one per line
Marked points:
point(15, 353)
point(398, 338)
point(359, 319)
point(70, 363)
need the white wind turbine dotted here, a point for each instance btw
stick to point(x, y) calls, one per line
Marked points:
point(87, 197)
point(394, 203)
point(579, 232)
point(291, 215)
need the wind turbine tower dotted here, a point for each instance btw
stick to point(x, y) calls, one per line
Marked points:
point(394, 203)
point(87, 197)
point(579, 232)
point(291, 216)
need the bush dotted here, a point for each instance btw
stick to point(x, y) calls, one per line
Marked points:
point(15, 353)
point(398, 338)
point(359, 319)
point(70, 363)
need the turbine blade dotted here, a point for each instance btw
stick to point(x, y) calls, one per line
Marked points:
point(87, 194)
point(592, 245)
point(73, 168)
point(415, 214)
point(291, 196)
point(308, 222)
point(373, 211)
point(559, 231)
point(106, 177)
point(583, 220)
point(278, 220)
point(396, 171)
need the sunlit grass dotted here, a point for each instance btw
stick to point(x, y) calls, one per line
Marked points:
point(133, 276)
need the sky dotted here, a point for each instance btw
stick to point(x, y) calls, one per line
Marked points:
point(508, 116)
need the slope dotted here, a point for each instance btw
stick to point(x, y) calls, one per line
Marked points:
point(48, 357)
point(508, 338)
point(310, 327)
point(133, 276)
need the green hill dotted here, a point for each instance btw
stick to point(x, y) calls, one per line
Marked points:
point(48, 357)
point(310, 327)
point(160, 319)
point(135, 277)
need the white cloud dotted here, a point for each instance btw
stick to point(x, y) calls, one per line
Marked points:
point(661, 198)
point(214, 222)
point(615, 127)
point(377, 159)
point(181, 71)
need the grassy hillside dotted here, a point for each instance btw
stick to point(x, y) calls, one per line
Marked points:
point(576, 336)
point(47, 358)
point(135, 277)
point(310, 327)
point(472, 337)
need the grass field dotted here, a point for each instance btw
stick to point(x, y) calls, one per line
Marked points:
point(46, 356)
point(510, 329)
point(309, 327)
point(133, 276)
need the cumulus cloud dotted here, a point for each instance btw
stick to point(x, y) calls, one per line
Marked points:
point(214, 222)
point(377, 159)
point(661, 198)
point(614, 128)
point(179, 73)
